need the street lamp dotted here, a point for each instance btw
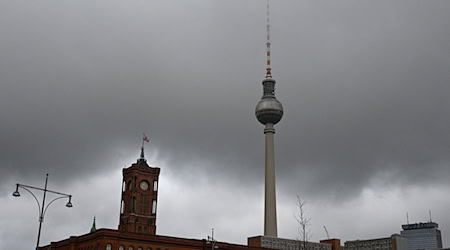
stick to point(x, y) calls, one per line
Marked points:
point(42, 209)
point(212, 241)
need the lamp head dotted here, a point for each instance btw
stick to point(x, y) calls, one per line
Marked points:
point(16, 193)
point(69, 203)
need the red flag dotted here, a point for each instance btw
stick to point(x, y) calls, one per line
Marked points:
point(146, 139)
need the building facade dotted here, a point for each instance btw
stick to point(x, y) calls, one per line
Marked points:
point(395, 242)
point(109, 239)
point(422, 236)
point(286, 244)
point(335, 243)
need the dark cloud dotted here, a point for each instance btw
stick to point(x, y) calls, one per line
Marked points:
point(365, 87)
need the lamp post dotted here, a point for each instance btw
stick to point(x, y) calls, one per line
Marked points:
point(42, 208)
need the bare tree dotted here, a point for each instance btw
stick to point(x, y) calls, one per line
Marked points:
point(303, 222)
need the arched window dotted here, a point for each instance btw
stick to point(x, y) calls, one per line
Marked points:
point(108, 247)
point(145, 203)
point(130, 205)
point(155, 185)
point(130, 248)
point(130, 185)
point(154, 207)
point(124, 184)
point(122, 207)
point(121, 248)
point(141, 204)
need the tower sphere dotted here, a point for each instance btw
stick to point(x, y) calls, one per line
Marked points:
point(269, 109)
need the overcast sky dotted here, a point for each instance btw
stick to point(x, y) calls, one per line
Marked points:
point(365, 137)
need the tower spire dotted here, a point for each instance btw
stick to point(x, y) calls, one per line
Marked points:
point(142, 156)
point(93, 228)
point(268, 68)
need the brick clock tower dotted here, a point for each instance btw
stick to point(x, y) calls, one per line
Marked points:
point(139, 198)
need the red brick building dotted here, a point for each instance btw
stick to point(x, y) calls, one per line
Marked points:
point(109, 239)
point(139, 198)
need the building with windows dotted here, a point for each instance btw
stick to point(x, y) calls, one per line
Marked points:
point(395, 242)
point(422, 235)
point(287, 244)
point(109, 239)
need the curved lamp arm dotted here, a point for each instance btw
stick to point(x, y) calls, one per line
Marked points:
point(39, 204)
point(57, 198)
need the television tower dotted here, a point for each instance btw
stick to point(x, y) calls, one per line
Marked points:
point(269, 112)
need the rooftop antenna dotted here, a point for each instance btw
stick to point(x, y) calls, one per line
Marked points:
point(429, 211)
point(268, 68)
point(407, 218)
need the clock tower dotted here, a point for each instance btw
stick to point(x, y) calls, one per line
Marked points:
point(139, 198)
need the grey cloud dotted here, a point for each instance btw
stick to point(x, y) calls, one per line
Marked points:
point(364, 84)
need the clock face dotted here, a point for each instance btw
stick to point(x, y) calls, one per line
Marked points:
point(144, 185)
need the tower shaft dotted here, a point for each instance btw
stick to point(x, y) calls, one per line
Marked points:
point(270, 207)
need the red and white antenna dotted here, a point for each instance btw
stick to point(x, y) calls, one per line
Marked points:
point(268, 69)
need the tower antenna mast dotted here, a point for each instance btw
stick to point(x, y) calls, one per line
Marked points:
point(268, 68)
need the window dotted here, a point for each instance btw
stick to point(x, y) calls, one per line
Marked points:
point(122, 207)
point(141, 204)
point(155, 186)
point(130, 248)
point(154, 207)
point(121, 248)
point(108, 246)
point(140, 248)
point(130, 205)
point(130, 185)
point(145, 204)
point(124, 185)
